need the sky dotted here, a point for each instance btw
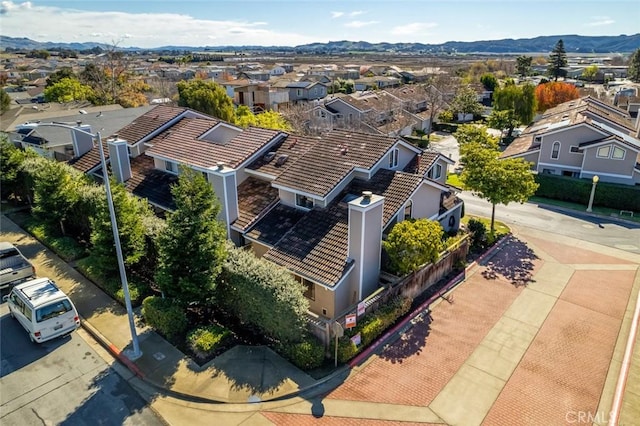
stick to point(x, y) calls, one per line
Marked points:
point(156, 23)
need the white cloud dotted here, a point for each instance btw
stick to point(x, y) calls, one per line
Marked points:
point(599, 21)
point(414, 28)
point(360, 24)
point(356, 13)
point(335, 15)
point(140, 30)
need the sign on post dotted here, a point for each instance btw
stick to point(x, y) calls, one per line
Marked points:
point(350, 320)
point(362, 307)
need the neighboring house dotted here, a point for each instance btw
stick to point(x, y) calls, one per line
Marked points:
point(301, 91)
point(319, 206)
point(260, 96)
point(583, 138)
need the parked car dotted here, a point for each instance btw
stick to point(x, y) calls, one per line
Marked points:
point(44, 310)
point(14, 267)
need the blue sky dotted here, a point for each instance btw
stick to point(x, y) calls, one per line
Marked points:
point(154, 23)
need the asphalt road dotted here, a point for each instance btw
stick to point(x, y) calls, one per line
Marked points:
point(62, 382)
point(605, 231)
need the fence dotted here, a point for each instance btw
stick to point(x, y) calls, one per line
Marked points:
point(410, 286)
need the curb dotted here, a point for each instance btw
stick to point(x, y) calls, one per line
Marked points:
point(117, 353)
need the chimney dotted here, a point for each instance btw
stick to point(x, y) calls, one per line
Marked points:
point(119, 158)
point(81, 141)
point(225, 185)
point(365, 241)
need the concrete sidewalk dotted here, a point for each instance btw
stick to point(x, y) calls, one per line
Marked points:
point(240, 375)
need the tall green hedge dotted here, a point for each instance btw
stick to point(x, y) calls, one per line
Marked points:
point(619, 197)
point(263, 295)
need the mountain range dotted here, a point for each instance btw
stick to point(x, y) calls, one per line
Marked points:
point(543, 44)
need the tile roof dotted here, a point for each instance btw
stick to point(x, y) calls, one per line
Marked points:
point(331, 160)
point(149, 123)
point(275, 224)
point(182, 143)
point(89, 160)
point(420, 164)
point(378, 100)
point(396, 187)
point(150, 183)
point(316, 247)
point(293, 146)
point(254, 197)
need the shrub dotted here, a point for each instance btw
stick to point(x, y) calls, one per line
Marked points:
point(65, 247)
point(478, 234)
point(307, 355)
point(203, 341)
point(165, 316)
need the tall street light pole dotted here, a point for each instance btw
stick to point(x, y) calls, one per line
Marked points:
point(136, 353)
point(595, 180)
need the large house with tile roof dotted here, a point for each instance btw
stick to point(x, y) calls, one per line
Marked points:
point(318, 206)
point(582, 138)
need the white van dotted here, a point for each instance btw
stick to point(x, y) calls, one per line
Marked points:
point(42, 309)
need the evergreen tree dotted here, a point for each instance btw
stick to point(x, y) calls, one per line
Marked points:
point(207, 97)
point(192, 249)
point(557, 60)
point(634, 67)
point(523, 65)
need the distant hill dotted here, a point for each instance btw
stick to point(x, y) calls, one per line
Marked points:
point(573, 44)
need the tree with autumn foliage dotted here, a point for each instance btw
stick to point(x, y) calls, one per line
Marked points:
point(553, 93)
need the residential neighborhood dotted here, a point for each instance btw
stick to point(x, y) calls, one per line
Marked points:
point(329, 239)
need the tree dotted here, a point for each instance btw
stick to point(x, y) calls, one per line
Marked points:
point(489, 82)
point(435, 91)
point(523, 65)
point(5, 101)
point(62, 73)
point(557, 61)
point(499, 181)
point(13, 176)
point(634, 66)
point(268, 119)
point(503, 120)
point(553, 93)
point(412, 243)
point(130, 212)
point(466, 101)
point(468, 133)
point(207, 97)
point(520, 100)
point(590, 72)
point(264, 296)
point(67, 90)
point(192, 248)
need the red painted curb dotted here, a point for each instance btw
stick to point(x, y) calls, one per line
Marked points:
point(117, 353)
point(452, 283)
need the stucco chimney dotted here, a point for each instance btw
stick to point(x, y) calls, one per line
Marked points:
point(224, 182)
point(365, 241)
point(81, 141)
point(119, 158)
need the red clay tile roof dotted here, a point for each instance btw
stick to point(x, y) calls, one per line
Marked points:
point(181, 143)
point(89, 160)
point(396, 187)
point(316, 247)
point(254, 197)
point(331, 160)
point(149, 123)
point(275, 224)
point(293, 146)
point(150, 183)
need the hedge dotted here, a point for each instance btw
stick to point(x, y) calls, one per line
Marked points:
point(370, 327)
point(165, 316)
point(204, 341)
point(307, 354)
point(613, 196)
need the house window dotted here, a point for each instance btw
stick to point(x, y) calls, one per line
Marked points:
point(574, 149)
point(170, 166)
point(309, 287)
point(407, 210)
point(302, 201)
point(603, 152)
point(299, 92)
point(393, 158)
point(555, 150)
point(435, 172)
point(618, 153)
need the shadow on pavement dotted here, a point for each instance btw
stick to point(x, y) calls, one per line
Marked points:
point(515, 263)
point(596, 220)
point(410, 342)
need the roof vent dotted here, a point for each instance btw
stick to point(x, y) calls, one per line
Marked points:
point(281, 160)
point(269, 156)
point(220, 165)
point(344, 150)
point(367, 195)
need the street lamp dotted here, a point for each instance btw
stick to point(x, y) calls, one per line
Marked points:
point(595, 180)
point(136, 353)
